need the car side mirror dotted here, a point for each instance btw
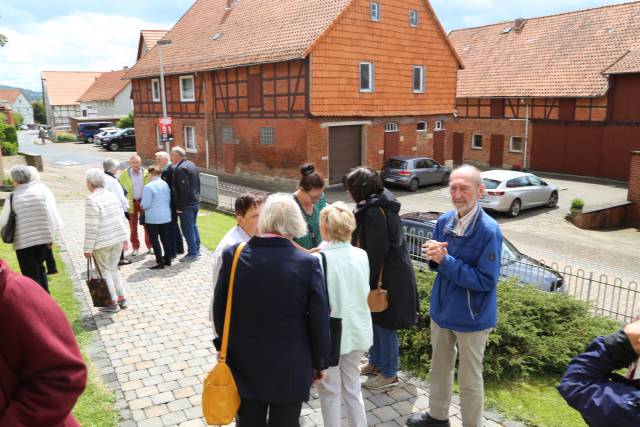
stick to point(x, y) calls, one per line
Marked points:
point(544, 184)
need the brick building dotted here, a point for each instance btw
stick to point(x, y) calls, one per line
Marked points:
point(260, 87)
point(556, 93)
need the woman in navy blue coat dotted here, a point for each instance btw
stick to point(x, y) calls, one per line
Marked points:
point(279, 335)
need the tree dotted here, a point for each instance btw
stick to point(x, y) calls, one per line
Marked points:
point(39, 114)
point(18, 119)
point(3, 40)
point(126, 122)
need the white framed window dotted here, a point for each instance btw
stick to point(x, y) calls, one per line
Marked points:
point(155, 90)
point(267, 136)
point(374, 10)
point(158, 137)
point(421, 126)
point(187, 89)
point(190, 139)
point(366, 77)
point(439, 125)
point(413, 18)
point(418, 79)
point(227, 135)
point(391, 127)
point(515, 144)
point(476, 142)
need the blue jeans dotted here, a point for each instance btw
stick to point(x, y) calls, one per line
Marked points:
point(385, 351)
point(190, 229)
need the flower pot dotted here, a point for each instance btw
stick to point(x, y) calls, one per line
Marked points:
point(576, 211)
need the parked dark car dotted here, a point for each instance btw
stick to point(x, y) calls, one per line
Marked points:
point(418, 228)
point(412, 172)
point(88, 130)
point(126, 138)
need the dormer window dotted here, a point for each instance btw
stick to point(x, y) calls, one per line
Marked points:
point(374, 10)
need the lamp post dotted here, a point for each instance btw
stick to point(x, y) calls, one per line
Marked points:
point(161, 43)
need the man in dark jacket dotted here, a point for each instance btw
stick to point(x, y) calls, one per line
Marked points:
point(186, 198)
point(177, 245)
point(42, 373)
point(590, 385)
point(465, 252)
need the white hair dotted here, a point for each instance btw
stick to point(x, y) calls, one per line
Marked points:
point(162, 155)
point(35, 175)
point(281, 215)
point(469, 170)
point(95, 178)
point(179, 151)
point(135, 156)
point(110, 165)
point(20, 174)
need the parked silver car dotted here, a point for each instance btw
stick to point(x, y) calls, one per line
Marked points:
point(511, 192)
point(104, 132)
point(412, 172)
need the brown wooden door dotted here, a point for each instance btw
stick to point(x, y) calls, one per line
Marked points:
point(458, 148)
point(391, 144)
point(438, 146)
point(345, 151)
point(497, 151)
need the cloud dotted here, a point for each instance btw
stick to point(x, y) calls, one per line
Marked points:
point(79, 41)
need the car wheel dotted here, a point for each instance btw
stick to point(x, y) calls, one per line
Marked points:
point(113, 146)
point(413, 185)
point(553, 199)
point(445, 179)
point(514, 209)
point(90, 140)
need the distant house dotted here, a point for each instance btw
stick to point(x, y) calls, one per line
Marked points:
point(558, 93)
point(108, 96)
point(19, 104)
point(260, 87)
point(61, 90)
point(148, 39)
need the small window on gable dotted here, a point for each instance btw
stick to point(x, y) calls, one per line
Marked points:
point(190, 139)
point(227, 135)
point(418, 79)
point(266, 136)
point(155, 90)
point(187, 89)
point(439, 125)
point(476, 142)
point(391, 127)
point(366, 77)
point(374, 10)
point(515, 144)
point(421, 126)
point(413, 18)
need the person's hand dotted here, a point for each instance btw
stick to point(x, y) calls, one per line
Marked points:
point(633, 333)
point(88, 254)
point(314, 250)
point(318, 376)
point(178, 212)
point(49, 245)
point(434, 251)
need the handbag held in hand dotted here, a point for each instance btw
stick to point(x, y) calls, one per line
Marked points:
point(8, 232)
point(98, 288)
point(220, 396)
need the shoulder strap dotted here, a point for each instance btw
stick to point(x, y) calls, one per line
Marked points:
point(324, 271)
point(227, 315)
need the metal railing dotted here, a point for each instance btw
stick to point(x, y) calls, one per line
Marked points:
point(609, 297)
point(222, 195)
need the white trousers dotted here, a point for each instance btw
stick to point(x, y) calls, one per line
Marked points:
point(471, 346)
point(343, 384)
point(107, 260)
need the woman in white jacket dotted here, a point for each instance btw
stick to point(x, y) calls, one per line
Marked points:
point(106, 230)
point(347, 279)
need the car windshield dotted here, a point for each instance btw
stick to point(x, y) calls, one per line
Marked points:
point(491, 184)
point(396, 164)
point(509, 252)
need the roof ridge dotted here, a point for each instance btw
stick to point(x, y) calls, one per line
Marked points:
point(571, 12)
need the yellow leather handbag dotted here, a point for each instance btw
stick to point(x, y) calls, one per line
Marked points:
point(220, 397)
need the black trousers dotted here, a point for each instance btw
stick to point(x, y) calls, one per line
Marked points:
point(31, 261)
point(52, 268)
point(175, 236)
point(253, 413)
point(163, 231)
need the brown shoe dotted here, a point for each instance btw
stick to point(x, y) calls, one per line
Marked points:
point(368, 369)
point(380, 381)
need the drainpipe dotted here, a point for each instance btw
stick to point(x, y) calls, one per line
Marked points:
point(206, 121)
point(526, 138)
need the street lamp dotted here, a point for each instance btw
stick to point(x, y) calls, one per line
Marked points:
point(161, 43)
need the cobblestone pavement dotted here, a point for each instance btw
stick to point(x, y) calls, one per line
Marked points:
point(155, 354)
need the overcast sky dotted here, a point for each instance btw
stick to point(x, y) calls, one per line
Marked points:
point(102, 35)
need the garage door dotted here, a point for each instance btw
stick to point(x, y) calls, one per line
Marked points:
point(344, 151)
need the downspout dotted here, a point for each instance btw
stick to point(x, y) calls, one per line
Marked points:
point(206, 122)
point(526, 138)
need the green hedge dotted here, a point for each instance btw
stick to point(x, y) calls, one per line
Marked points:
point(537, 332)
point(10, 134)
point(65, 137)
point(9, 148)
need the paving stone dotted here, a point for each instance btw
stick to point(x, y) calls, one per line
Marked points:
point(156, 410)
point(179, 405)
point(165, 397)
point(386, 413)
point(174, 418)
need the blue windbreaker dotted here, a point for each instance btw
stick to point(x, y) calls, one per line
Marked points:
point(464, 295)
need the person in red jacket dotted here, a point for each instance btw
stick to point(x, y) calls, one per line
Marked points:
point(42, 373)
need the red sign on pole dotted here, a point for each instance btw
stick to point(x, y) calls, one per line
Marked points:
point(166, 128)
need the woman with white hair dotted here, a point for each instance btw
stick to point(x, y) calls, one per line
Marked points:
point(279, 331)
point(105, 232)
point(37, 219)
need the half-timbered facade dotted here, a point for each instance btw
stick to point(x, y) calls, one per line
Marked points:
point(340, 84)
point(554, 93)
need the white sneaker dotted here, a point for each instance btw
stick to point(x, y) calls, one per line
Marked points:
point(134, 253)
point(150, 251)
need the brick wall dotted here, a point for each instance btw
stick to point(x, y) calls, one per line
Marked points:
point(634, 189)
point(146, 138)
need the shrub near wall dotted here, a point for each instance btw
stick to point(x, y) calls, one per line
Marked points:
point(537, 332)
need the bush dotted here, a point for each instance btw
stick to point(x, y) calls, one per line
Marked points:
point(10, 134)
point(18, 119)
point(65, 137)
point(9, 148)
point(577, 203)
point(537, 332)
point(125, 122)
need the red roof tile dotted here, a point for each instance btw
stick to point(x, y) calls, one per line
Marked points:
point(629, 63)
point(148, 39)
point(553, 56)
point(9, 95)
point(105, 87)
point(65, 87)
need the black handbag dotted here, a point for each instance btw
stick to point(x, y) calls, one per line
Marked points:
point(98, 288)
point(141, 219)
point(335, 324)
point(8, 232)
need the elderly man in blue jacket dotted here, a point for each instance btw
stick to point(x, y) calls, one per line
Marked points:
point(465, 252)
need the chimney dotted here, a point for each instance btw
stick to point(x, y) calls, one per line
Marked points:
point(519, 24)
